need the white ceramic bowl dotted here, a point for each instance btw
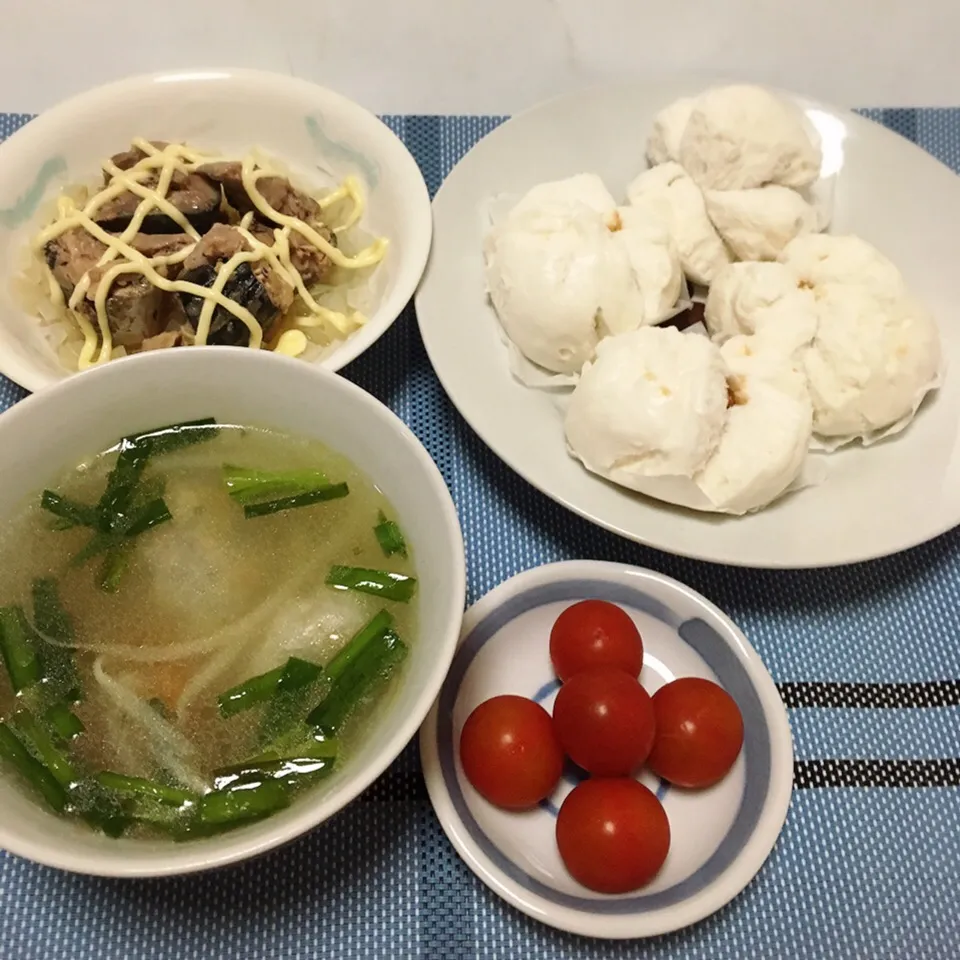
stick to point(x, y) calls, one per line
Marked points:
point(56, 428)
point(319, 134)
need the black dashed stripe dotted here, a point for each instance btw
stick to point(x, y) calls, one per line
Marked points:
point(400, 785)
point(819, 774)
point(939, 693)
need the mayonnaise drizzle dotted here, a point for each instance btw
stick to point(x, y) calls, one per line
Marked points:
point(365, 258)
point(162, 165)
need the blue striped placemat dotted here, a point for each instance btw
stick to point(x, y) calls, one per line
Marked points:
point(867, 658)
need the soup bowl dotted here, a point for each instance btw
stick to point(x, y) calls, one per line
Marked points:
point(57, 428)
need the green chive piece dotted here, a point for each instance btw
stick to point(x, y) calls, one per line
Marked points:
point(71, 513)
point(176, 436)
point(248, 694)
point(243, 800)
point(19, 649)
point(122, 481)
point(49, 615)
point(295, 674)
point(247, 486)
point(373, 667)
point(390, 537)
point(48, 753)
point(34, 772)
point(379, 583)
point(150, 515)
point(53, 623)
point(366, 635)
point(301, 742)
point(292, 771)
point(139, 787)
point(296, 687)
point(331, 492)
point(113, 568)
point(63, 722)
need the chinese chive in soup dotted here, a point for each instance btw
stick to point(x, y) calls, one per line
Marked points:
point(195, 626)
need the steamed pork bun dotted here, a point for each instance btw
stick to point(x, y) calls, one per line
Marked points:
point(869, 351)
point(647, 244)
point(738, 137)
point(554, 280)
point(668, 126)
point(763, 447)
point(820, 259)
point(652, 404)
point(674, 417)
point(757, 224)
point(665, 193)
point(766, 299)
point(566, 196)
point(871, 362)
point(877, 351)
point(655, 262)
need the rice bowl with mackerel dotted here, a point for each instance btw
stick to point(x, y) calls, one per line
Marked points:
point(248, 209)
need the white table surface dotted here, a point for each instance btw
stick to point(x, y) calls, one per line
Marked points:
point(458, 56)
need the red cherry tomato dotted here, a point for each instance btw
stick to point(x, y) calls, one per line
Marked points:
point(604, 721)
point(593, 634)
point(699, 732)
point(510, 753)
point(613, 834)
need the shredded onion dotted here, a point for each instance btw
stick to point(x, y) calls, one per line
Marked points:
point(170, 748)
point(170, 653)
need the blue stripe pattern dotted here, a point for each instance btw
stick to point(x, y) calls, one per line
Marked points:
point(859, 872)
point(729, 671)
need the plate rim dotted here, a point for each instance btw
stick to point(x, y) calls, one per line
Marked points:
point(543, 486)
point(757, 848)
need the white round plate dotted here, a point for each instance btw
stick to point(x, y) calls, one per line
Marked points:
point(320, 135)
point(720, 837)
point(875, 501)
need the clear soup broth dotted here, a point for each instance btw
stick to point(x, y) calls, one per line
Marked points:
point(195, 626)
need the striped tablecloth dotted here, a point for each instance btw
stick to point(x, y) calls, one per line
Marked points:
point(867, 659)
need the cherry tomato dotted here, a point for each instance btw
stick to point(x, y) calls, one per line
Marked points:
point(510, 753)
point(699, 732)
point(613, 834)
point(593, 634)
point(604, 721)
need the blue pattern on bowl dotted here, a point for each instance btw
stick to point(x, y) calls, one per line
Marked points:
point(28, 203)
point(329, 147)
point(715, 652)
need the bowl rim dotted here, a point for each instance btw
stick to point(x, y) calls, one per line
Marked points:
point(412, 258)
point(234, 847)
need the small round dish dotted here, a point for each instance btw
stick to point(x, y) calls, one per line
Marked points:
point(318, 134)
point(720, 836)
